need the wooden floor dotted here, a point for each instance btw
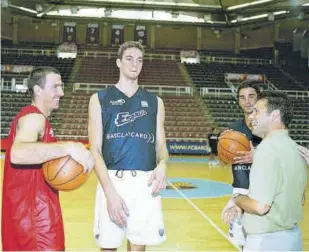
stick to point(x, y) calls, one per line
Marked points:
point(191, 224)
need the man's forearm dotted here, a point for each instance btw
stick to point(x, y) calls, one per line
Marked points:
point(37, 153)
point(250, 205)
point(101, 172)
point(162, 157)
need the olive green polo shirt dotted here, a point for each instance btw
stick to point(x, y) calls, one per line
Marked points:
point(278, 178)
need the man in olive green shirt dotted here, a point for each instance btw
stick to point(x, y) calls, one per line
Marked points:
point(278, 180)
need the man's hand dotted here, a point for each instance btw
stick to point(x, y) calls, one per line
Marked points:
point(80, 154)
point(231, 214)
point(229, 205)
point(244, 157)
point(304, 152)
point(117, 209)
point(158, 176)
point(230, 211)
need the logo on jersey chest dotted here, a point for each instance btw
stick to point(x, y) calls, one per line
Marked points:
point(118, 102)
point(51, 132)
point(125, 117)
point(144, 104)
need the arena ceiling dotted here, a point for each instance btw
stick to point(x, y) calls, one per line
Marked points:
point(202, 12)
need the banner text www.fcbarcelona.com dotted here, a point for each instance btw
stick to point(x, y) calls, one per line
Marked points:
point(188, 147)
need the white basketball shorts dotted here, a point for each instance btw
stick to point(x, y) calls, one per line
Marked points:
point(145, 221)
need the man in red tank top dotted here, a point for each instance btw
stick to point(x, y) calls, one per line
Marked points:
point(31, 213)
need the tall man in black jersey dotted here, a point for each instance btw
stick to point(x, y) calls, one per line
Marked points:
point(127, 140)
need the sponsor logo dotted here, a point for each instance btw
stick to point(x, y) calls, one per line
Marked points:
point(161, 231)
point(144, 104)
point(118, 102)
point(124, 117)
point(146, 136)
point(242, 168)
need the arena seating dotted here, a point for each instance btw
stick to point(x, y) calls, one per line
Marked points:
point(225, 110)
point(183, 117)
point(256, 53)
point(212, 74)
point(8, 43)
point(293, 64)
point(155, 72)
point(186, 116)
point(64, 66)
point(264, 53)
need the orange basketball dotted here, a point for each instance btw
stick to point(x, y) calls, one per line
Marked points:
point(231, 142)
point(64, 174)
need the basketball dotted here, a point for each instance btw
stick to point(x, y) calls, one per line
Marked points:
point(64, 174)
point(231, 142)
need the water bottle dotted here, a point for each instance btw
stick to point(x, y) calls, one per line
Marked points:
point(237, 232)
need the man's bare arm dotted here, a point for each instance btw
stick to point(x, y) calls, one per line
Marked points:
point(159, 173)
point(27, 149)
point(161, 149)
point(116, 207)
point(95, 134)
point(250, 205)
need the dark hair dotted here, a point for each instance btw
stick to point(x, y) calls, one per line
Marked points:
point(129, 44)
point(38, 77)
point(249, 84)
point(279, 101)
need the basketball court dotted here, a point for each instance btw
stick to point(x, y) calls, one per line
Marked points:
point(192, 207)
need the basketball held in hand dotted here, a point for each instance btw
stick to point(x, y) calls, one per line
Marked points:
point(64, 174)
point(231, 142)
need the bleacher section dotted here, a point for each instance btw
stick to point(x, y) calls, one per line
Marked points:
point(155, 72)
point(184, 115)
point(187, 116)
point(184, 118)
point(257, 53)
point(64, 66)
point(11, 103)
point(225, 110)
point(7, 43)
point(261, 53)
point(293, 64)
point(212, 74)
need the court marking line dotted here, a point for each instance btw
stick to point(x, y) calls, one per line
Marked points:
point(204, 216)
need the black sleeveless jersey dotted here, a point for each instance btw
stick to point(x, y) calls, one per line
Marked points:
point(241, 172)
point(129, 129)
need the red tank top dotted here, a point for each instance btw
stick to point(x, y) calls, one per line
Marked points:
point(31, 213)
